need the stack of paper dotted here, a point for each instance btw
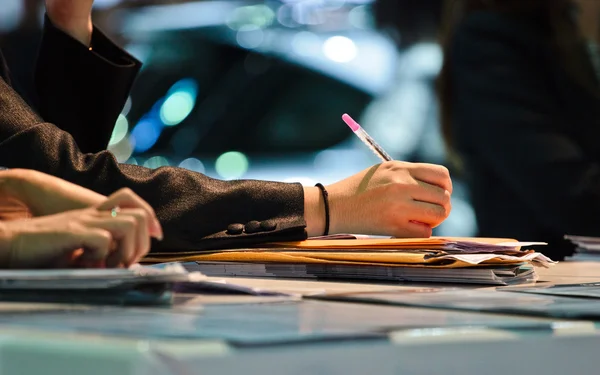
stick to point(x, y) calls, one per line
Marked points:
point(587, 248)
point(457, 260)
point(137, 285)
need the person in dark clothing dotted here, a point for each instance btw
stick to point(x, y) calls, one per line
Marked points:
point(82, 82)
point(520, 106)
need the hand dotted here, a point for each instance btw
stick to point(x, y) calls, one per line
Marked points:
point(90, 237)
point(394, 198)
point(44, 194)
point(74, 17)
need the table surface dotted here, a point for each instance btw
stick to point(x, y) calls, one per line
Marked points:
point(239, 333)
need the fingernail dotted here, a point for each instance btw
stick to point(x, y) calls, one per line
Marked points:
point(157, 231)
point(419, 223)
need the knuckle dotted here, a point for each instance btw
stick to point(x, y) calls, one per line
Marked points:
point(395, 166)
point(136, 213)
point(128, 223)
point(104, 236)
point(125, 191)
point(448, 209)
point(447, 196)
point(437, 213)
point(443, 170)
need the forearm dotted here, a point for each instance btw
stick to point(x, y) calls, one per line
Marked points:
point(43, 194)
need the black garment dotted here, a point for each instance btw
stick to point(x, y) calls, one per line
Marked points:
point(83, 92)
point(527, 131)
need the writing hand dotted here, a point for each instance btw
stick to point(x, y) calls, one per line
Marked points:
point(394, 198)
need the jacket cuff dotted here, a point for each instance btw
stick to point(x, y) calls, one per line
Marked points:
point(103, 50)
point(98, 80)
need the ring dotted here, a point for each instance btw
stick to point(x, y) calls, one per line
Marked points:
point(114, 211)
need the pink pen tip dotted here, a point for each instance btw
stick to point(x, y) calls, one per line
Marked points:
point(350, 122)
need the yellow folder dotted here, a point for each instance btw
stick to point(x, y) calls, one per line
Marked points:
point(408, 253)
point(431, 243)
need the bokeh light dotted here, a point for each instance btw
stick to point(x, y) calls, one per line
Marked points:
point(156, 162)
point(193, 164)
point(146, 133)
point(127, 106)
point(232, 165)
point(259, 15)
point(122, 149)
point(179, 103)
point(250, 36)
point(120, 130)
point(306, 43)
point(340, 49)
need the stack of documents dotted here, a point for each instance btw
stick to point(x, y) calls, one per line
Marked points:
point(137, 285)
point(587, 248)
point(457, 260)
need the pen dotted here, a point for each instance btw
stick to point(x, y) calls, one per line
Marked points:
point(366, 138)
point(370, 142)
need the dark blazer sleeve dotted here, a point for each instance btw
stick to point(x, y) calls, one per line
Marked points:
point(82, 91)
point(506, 111)
point(196, 212)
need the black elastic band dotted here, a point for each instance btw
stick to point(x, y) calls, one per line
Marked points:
point(326, 199)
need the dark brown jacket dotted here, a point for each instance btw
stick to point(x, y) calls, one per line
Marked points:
point(80, 94)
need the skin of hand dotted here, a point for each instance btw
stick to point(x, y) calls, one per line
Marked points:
point(44, 194)
point(89, 237)
point(393, 198)
point(74, 17)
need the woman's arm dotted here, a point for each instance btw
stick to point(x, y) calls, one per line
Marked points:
point(44, 194)
point(198, 212)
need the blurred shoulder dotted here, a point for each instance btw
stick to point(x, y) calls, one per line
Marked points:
point(501, 34)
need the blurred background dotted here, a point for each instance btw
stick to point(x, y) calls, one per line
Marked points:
point(256, 89)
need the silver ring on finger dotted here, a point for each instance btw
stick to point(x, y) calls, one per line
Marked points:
point(114, 211)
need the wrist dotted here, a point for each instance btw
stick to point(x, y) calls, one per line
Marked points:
point(13, 183)
point(79, 29)
point(314, 211)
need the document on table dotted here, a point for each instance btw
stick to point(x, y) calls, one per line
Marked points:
point(586, 290)
point(484, 301)
point(506, 275)
point(70, 279)
point(495, 261)
point(137, 285)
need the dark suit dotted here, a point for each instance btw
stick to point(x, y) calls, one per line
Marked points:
point(527, 132)
point(80, 94)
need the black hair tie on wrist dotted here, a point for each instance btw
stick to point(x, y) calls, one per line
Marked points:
point(326, 200)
